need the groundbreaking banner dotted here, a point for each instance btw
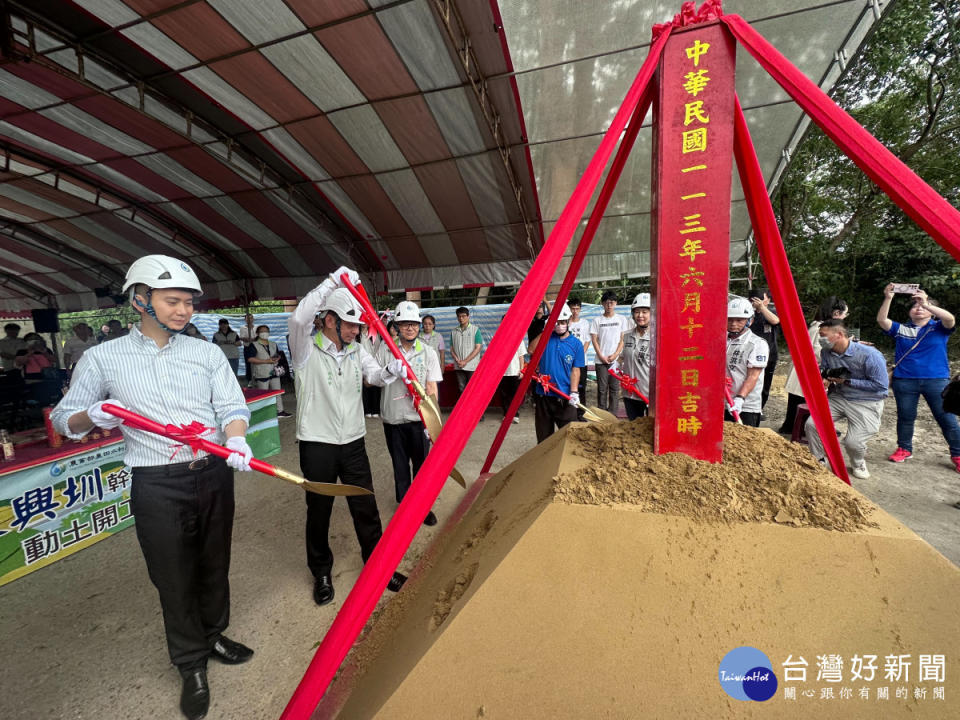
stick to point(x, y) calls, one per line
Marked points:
point(693, 151)
point(50, 511)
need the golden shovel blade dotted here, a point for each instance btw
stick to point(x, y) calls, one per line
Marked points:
point(595, 414)
point(331, 489)
point(430, 414)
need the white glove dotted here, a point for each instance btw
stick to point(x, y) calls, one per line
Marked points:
point(396, 368)
point(737, 406)
point(240, 458)
point(575, 399)
point(614, 365)
point(323, 291)
point(104, 419)
point(351, 274)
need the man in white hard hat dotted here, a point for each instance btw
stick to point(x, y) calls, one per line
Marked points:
point(329, 370)
point(183, 505)
point(635, 358)
point(562, 361)
point(746, 359)
point(403, 428)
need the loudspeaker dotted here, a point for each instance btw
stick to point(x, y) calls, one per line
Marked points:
point(46, 321)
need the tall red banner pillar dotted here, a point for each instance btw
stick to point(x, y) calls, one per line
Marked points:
point(690, 238)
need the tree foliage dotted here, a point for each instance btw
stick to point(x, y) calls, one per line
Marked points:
point(843, 235)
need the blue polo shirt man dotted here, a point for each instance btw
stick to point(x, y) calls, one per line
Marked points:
point(563, 361)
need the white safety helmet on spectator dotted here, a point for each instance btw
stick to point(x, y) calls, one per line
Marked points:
point(739, 308)
point(161, 271)
point(642, 300)
point(342, 304)
point(565, 313)
point(407, 312)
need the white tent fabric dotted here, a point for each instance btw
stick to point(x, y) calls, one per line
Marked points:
point(573, 66)
point(426, 143)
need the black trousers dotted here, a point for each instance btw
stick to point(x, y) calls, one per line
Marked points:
point(747, 418)
point(507, 389)
point(184, 521)
point(635, 408)
point(371, 400)
point(768, 373)
point(552, 413)
point(325, 462)
point(463, 377)
point(582, 391)
point(608, 389)
point(408, 444)
point(793, 402)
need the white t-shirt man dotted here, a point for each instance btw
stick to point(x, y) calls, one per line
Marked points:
point(581, 331)
point(516, 362)
point(75, 347)
point(10, 346)
point(609, 331)
point(744, 352)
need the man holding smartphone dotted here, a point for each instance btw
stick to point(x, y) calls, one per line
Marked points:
point(856, 379)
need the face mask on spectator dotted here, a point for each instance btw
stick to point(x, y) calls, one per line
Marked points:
point(263, 336)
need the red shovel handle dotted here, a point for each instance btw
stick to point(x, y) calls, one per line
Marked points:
point(629, 382)
point(174, 433)
point(729, 396)
point(544, 380)
point(361, 297)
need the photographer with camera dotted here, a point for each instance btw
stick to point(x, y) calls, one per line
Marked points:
point(921, 367)
point(855, 376)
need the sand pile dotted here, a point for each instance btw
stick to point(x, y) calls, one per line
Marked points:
point(591, 578)
point(763, 478)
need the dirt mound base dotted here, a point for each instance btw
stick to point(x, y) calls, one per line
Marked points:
point(568, 591)
point(763, 478)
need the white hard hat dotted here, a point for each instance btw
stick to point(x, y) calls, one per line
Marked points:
point(739, 307)
point(565, 313)
point(642, 300)
point(161, 271)
point(341, 303)
point(407, 312)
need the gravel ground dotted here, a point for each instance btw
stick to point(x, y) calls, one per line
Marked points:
point(84, 636)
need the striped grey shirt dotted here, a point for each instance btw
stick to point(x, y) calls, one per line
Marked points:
point(185, 380)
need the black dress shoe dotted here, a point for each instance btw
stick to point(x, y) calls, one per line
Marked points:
point(430, 519)
point(323, 590)
point(232, 653)
point(396, 582)
point(195, 698)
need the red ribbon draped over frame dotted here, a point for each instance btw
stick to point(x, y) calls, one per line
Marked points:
point(938, 218)
point(773, 257)
point(456, 432)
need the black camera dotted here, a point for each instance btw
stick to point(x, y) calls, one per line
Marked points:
point(837, 372)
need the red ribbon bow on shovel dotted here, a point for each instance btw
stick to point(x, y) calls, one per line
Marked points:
point(629, 382)
point(190, 435)
point(548, 386)
point(422, 403)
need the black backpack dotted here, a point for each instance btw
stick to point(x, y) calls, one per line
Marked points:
point(951, 396)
